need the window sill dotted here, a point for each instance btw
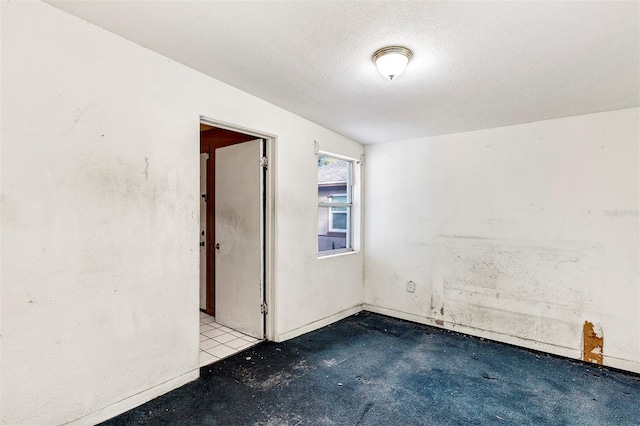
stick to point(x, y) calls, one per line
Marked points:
point(336, 253)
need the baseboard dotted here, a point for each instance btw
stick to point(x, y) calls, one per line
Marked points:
point(622, 364)
point(133, 401)
point(477, 332)
point(319, 323)
point(617, 363)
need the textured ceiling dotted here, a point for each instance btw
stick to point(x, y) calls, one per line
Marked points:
point(476, 65)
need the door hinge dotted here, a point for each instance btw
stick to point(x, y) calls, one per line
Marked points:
point(264, 309)
point(264, 162)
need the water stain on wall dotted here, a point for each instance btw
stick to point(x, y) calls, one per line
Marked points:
point(593, 342)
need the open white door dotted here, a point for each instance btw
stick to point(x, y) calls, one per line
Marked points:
point(203, 228)
point(238, 225)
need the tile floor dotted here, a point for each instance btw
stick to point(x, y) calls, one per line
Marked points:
point(218, 341)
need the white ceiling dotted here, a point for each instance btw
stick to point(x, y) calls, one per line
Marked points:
point(476, 65)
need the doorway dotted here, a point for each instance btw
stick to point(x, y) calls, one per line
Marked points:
point(233, 234)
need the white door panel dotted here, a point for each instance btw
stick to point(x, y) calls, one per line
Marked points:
point(238, 219)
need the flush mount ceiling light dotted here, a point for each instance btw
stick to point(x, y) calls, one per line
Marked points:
point(392, 60)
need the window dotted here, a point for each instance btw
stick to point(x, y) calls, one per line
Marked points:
point(339, 216)
point(334, 204)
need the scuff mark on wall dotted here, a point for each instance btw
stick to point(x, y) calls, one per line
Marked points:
point(79, 113)
point(531, 289)
point(146, 168)
point(7, 212)
point(593, 343)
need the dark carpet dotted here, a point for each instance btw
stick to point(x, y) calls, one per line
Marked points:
point(370, 369)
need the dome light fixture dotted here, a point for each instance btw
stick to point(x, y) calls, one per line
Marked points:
point(392, 60)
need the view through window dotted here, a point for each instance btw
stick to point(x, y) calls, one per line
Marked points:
point(334, 204)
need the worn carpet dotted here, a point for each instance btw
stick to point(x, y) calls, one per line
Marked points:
point(369, 369)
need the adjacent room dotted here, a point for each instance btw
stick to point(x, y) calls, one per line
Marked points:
point(188, 187)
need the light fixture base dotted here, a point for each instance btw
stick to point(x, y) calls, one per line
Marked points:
point(392, 49)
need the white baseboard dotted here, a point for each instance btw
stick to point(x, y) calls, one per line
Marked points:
point(477, 332)
point(622, 364)
point(319, 323)
point(135, 400)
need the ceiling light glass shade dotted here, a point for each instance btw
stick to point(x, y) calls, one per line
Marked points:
point(391, 61)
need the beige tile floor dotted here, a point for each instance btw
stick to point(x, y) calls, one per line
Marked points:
point(218, 341)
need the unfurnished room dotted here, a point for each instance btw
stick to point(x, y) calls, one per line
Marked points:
point(319, 212)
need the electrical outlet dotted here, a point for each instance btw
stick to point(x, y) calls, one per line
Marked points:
point(411, 286)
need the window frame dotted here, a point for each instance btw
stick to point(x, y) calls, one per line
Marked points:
point(347, 205)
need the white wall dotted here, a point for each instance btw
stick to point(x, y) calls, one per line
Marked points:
point(100, 193)
point(504, 230)
point(508, 233)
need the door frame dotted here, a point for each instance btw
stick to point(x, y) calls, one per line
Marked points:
point(268, 231)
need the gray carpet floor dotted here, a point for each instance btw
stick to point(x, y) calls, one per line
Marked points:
point(369, 369)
